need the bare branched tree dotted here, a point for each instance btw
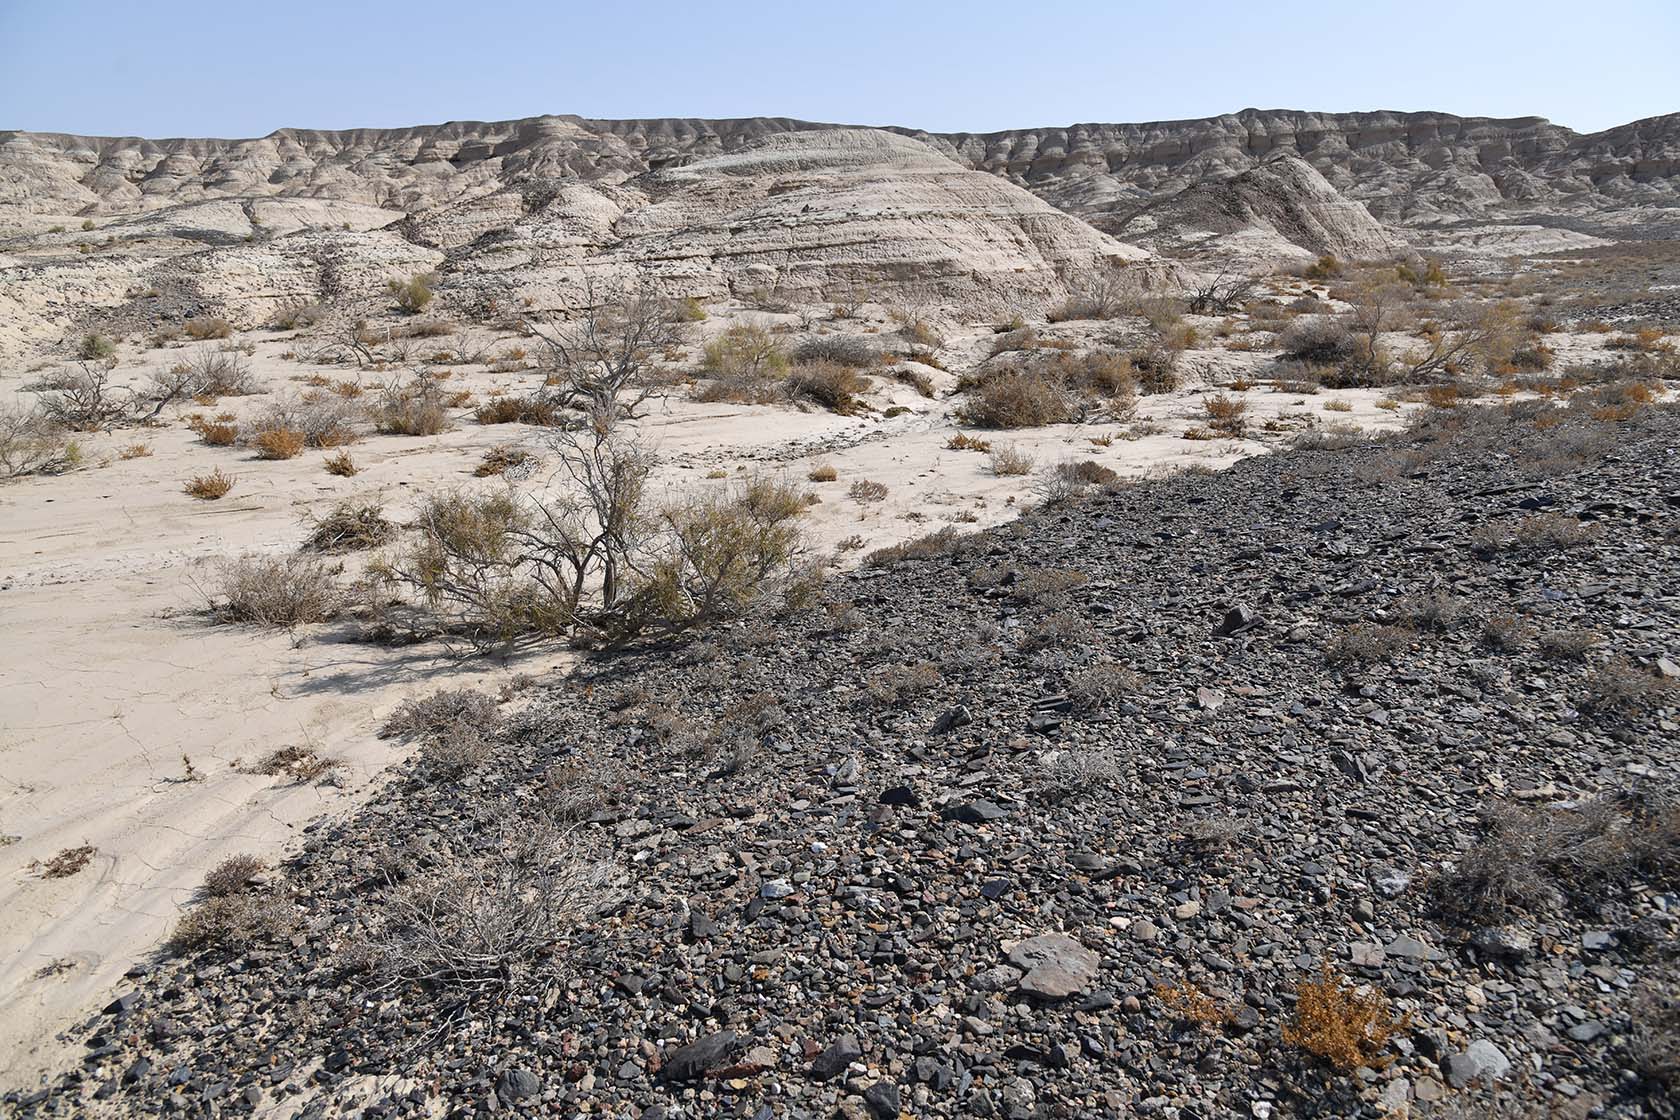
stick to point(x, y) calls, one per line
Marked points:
point(599, 360)
point(1222, 294)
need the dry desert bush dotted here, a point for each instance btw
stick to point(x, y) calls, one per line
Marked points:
point(68, 862)
point(1366, 643)
point(743, 364)
point(481, 926)
point(208, 487)
point(284, 590)
point(1344, 1025)
point(413, 408)
point(413, 295)
point(30, 442)
point(1009, 461)
point(830, 384)
point(1581, 853)
point(207, 327)
point(1014, 398)
point(233, 875)
point(277, 443)
point(945, 541)
point(350, 526)
point(502, 458)
point(452, 726)
point(341, 464)
point(840, 350)
point(823, 472)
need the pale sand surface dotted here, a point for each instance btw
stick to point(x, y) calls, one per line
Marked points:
point(110, 673)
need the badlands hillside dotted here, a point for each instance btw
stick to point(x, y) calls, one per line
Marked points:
point(752, 618)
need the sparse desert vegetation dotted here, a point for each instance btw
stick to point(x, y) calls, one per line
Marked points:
point(879, 623)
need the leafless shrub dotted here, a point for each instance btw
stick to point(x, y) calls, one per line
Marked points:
point(1062, 629)
point(233, 875)
point(1102, 684)
point(412, 408)
point(1085, 772)
point(838, 349)
point(1105, 294)
point(234, 921)
point(1011, 460)
point(1567, 645)
point(207, 327)
point(480, 926)
point(577, 789)
point(1366, 643)
point(1044, 583)
point(87, 400)
point(599, 362)
point(1222, 294)
point(1653, 1037)
point(1502, 632)
point(1017, 399)
point(301, 763)
point(1582, 853)
point(285, 590)
point(504, 458)
point(866, 490)
point(434, 714)
point(296, 314)
point(1623, 687)
point(833, 386)
point(945, 541)
point(68, 862)
point(320, 421)
point(1319, 340)
point(896, 686)
point(1429, 611)
point(30, 442)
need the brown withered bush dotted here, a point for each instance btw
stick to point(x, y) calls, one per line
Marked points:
point(208, 487)
point(539, 412)
point(233, 875)
point(1346, 1026)
point(1017, 399)
point(350, 526)
point(284, 590)
point(218, 435)
point(341, 465)
point(207, 327)
point(278, 443)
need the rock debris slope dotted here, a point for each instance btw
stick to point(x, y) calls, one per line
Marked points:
point(1053, 823)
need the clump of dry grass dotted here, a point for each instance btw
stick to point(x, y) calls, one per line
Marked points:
point(285, 590)
point(1188, 1003)
point(1622, 687)
point(1017, 399)
point(208, 487)
point(962, 441)
point(135, 451)
point(1226, 415)
point(823, 472)
point(416, 408)
point(1344, 1025)
point(1010, 461)
point(217, 434)
point(941, 542)
point(341, 465)
point(895, 686)
point(68, 862)
point(865, 490)
point(302, 764)
point(207, 327)
point(538, 412)
point(350, 526)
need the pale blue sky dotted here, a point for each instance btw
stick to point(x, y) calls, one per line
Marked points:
point(238, 68)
